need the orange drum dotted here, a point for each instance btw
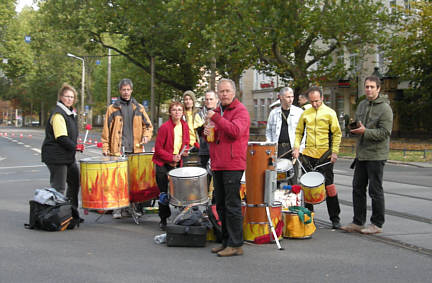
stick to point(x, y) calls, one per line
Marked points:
point(255, 223)
point(142, 177)
point(243, 187)
point(313, 187)
point(261, 156)
point(104, 182)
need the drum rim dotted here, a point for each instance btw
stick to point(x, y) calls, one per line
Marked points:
point(314, 173)
point(289, 162)
point(262, 143)
point(141, 153)
point(204, 172)
point(93, 160)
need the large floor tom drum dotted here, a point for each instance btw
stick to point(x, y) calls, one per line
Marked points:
point(104, 182)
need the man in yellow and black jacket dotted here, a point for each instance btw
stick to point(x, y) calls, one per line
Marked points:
point(323, 137)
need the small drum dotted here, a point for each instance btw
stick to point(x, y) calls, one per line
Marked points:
point(104, 182)
point(261, 156)
point(243, 187)
point(142, 177)
point(188, 185)
point(313, 187)
point(284, 169)
point(255, 222)
point(192, 160)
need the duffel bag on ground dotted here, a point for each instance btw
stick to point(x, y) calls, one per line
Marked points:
point(57, 217)
point(299, 223)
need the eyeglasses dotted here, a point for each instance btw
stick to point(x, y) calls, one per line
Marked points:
point(70, 97)
point(176, 110)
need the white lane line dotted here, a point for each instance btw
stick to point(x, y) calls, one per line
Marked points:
point(25, 166)
point(36, 149)
point(20, 143)
point(26, 145)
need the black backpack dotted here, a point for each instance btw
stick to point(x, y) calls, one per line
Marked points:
point(57, 217)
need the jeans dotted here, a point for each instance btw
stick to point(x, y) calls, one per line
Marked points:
point(62, 174)
point(228, 206)
point(368, 172)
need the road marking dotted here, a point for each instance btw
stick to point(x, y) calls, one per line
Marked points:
point(36, 149)
point(25, 166)
point(20, 143)
point(26, 145)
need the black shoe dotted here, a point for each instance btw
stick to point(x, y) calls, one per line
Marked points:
point(163, 224)
point(81, 220)
point(336, 225)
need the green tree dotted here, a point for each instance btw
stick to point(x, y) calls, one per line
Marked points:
point(410, 53)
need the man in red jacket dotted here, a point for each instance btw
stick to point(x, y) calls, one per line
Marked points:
point(228, 162)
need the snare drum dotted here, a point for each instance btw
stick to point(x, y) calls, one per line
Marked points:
point(255, 222)
point(261, 156)
point(142, 177)
point(104, 182)
point(284, 169)
point(313, 187)
point(192, 160)
point(188, 185)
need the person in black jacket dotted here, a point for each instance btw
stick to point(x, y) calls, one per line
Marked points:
point(60, 145)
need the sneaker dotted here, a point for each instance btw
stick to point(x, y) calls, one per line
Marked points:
point(217, 249)
point(352, 228)
point(230, 251)
point(116, 214)
point(371, 229)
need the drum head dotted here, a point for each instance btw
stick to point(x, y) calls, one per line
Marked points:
point(283, 165)
point(187, 172)
point(103, 159)
point(312, 179)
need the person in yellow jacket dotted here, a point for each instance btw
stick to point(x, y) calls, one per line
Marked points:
point(127, 127)
point(192, 118)
point(323, 137)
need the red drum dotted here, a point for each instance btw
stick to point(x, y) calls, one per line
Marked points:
point(261, 156)
point(142, 177)
point(104, 183)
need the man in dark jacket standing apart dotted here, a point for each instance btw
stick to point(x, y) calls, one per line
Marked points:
point(374, 118)
point(228, 162)
point(127, 126)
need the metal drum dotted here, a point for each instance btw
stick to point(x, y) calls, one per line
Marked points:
point(284, 169)
point(188, 185)
point(313, 187)
point(142, 177)
point(104, 182)
point(261, 156)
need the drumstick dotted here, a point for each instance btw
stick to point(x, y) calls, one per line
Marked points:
point(321, 165)
point(183, 149)
point(282, 155)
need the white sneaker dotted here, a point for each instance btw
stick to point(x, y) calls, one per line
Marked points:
point(116, 214)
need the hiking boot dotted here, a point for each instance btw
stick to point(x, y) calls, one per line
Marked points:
point(217, 249)
point(230, 251)
point(336, 225)
point(352, 228)
point(116, 214)
point(371, 229)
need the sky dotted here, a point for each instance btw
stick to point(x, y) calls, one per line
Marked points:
point(22, 3)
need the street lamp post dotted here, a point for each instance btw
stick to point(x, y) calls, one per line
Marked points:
point(82, 84)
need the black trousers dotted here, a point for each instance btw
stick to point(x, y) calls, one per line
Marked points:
point(228, 206)
point(162, 182)
point(368, 172)
point(333, 207)
point(204, 161)
point(62, 174)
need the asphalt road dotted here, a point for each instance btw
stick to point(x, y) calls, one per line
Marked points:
point(107, 250)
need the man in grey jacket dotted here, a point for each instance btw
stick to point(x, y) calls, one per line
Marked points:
point(374, 118)
point(281, 126)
